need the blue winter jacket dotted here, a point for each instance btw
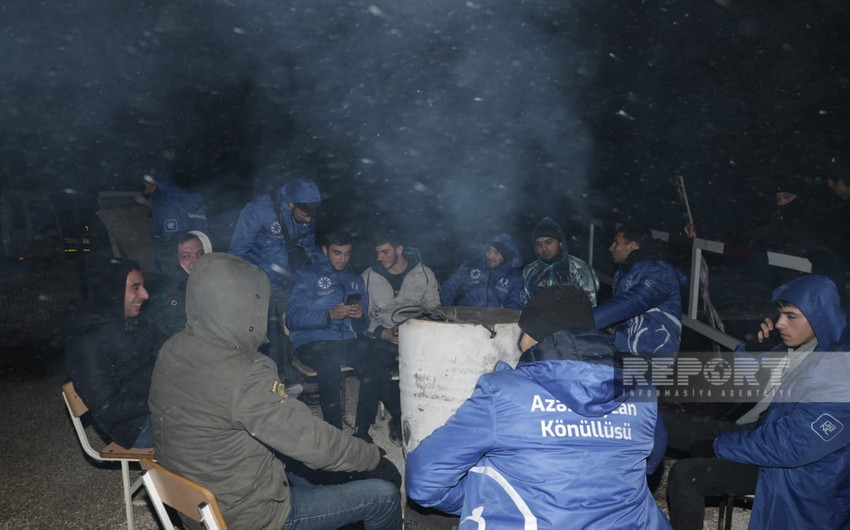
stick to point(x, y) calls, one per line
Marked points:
point(548, 445)
point(478, 286)
point(802, 444)
point(174, 210)
point(258, 238)
point(646, 309)
point(316, 289)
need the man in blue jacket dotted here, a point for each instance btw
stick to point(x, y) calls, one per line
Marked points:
point(278, 235)
point(646, 309)
point(552, 444)
point(324, 313)
point(800, 444)
point(494, 279)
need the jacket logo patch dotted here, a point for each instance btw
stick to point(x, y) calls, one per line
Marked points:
point(173, 302)
point(475, 274)
point(827, 427)
point(324, 282)
point(504, 282)
point(171, 225)
point(274, 228)
point(279, 389)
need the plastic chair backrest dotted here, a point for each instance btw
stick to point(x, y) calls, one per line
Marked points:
point(187, 497)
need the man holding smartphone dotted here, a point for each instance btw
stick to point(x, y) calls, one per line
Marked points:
point(324, 313)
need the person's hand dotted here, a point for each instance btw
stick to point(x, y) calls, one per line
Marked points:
point(767, 328)
point(387, 334)
point(355, 311)
point(339, 311)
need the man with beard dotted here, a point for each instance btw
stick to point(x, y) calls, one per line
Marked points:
point(494, 279)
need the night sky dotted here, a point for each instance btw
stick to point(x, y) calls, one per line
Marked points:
point(452, 120)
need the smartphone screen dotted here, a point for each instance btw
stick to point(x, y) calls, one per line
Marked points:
point(353, 298)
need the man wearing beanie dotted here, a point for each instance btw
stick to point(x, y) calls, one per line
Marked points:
point(553, 443)
point(493, 279)
point(554, 265)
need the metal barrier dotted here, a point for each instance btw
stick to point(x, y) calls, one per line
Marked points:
point(698, 246)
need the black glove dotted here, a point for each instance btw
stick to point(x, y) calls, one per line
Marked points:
point(702, 449)
point(385, 470)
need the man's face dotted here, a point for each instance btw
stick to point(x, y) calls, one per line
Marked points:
point(839, 187)
point(620, 248)
point(793, 326)
point(338, 255)
point(783, 198)
point(387, 255)
point(494, 258)
point(134, 294)
point(548, 248)
point(300, 215)
point(188, 254)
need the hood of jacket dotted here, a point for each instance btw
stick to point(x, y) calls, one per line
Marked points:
point(816, 296)
point(580, 367)
point(506, 240)
point(299, 190)
point(227, 301)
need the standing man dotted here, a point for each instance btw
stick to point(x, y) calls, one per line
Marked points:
point(173, 209)
point(277, 233)
point(646, 309)
point(554, 265)
point(398, 279)
point(544, 445)
point(492, 280)
point(222, 416)
point(795, 455)
point(110, 352)
point(324, 313)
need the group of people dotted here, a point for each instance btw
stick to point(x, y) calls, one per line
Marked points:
point(199, 368)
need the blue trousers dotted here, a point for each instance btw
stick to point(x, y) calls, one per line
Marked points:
point(375, 502)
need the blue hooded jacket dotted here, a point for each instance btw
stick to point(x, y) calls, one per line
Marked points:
point(258, 238)
point(646, 309)
point(316, 289)
point(552, 444)
point(479, 286)
point(801, 445)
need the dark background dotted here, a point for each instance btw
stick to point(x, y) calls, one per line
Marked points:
point(451, 120)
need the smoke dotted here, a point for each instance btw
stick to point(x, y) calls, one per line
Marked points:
point(459, 116)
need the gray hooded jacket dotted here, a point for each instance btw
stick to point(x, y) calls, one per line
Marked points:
point(217, 405)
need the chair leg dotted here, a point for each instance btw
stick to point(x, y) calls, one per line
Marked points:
point(128, 494)
point(730, 505)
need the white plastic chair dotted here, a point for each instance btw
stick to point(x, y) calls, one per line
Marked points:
point(110, 453)
point(192, 500)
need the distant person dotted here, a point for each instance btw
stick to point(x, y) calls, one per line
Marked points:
point(551, 444)
point(396, 280)
point(166, 309)
point(494, 279)
point(790, 228)
point(110, 352)
point(173, 209)
point(223, 417)
point(324, 313)
point(554, 265)
point(645, 311)
point(791, 448)
point(277, 233)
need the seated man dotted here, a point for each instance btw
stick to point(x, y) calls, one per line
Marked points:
point(554, 265)
point(222, 416)
point(552, 444)
point(494, 279)
point(166, 309)
point(646, 309)
point(798, 445)
point(110, 352)
point(324, 313)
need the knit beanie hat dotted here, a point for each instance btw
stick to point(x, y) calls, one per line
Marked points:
point(503, 249)
point(555, 308)
point(548, 228)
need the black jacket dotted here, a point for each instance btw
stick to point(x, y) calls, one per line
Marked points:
point(110, 358)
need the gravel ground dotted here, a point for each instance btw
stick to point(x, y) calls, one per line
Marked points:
point(47, 483)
